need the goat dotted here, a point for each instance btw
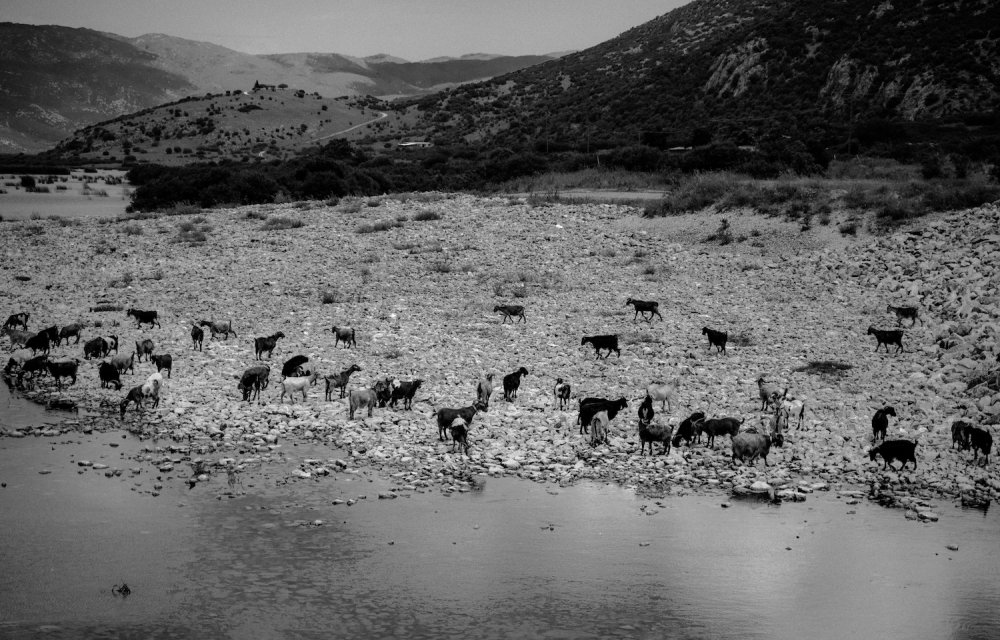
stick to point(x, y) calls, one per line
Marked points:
point(716, 339)
point(17, 359)
point(599, 428)
point(646, 412)
point(15, 320)
point(60, 369)
point(459, 434)
point(163, 361)
point(510, 311)
point(253, 380)
point(892, 450)
point(446, 417)
point(197, 337)
point(38, 342)
point(406, 391)
point(484, 389)
point(17, 337)
point(136, 396)
point(665, 393)
point(345, 335)
point(124, 362)
point(293, 366)
point(151, 388)
point(37, 365)
point(361, 398)
point(561, 392)
point(880, 422)
point(905, 313)
point(96, 348)
point(886, 338)
point(383, 390)
point(686, 429)
point(770, 393)
point(339, 381)
point(143, 317)
point(112, 341)
point(644, 307)
point(712, 427)
point(608, 342)
point(144, 348)
point(511, 383)
point(109, 376)
point(590, 406)
point(291, 385)
point(749, 446)
point(70, 331)
point(979, 440)
point(958, 434)
point(225, 328)
point(793, 407)
point(260, 345)
point(650, 433)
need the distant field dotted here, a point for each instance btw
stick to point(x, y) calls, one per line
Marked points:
point(79, 195)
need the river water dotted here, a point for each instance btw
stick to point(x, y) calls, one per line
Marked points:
point(514, 560)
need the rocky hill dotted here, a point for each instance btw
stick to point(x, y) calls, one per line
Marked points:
point(741, 69)
point(59, 79)
point(418, 278)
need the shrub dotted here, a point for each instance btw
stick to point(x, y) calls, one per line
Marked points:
point(833, 368)
point(133, 230)
point(330, 296)
point(849, 228)
point(381, 225)
point(254, 214)
point(441, 266)
point(426, 214)
point(722, 235)
point(519, 291)
point(280, 223)
point(742, 338)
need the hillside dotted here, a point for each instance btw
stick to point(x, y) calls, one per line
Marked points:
point(743, 69)
point(58, 79)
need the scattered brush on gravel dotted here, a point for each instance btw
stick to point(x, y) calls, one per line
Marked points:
point(831, 368)
point(280, 223)
point(381, 225)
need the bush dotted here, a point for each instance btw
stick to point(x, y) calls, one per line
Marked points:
point(722, 235)
point(133, 230)
point(426, 214)
point(330, 296)
point(280, 223)
point(381, 225)
point(440, 266)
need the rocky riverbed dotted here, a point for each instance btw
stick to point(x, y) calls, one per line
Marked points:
point(418, 277)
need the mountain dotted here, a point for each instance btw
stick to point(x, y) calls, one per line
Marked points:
point(59, 79)
point(742, 69)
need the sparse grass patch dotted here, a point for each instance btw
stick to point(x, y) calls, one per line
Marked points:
point(401, 218)
point(403, 246)
point(645, 337)
point(254, 214)
point(351, 206)
point(374, 202)
point(498, 289)
point(440, 266)
point(649, 270)
point(849, 228)
point(833, 368)
point(133, 230)
point(194, 233)
point(519, 291)
point(331, 296)
point(425, 215)
point(122, 281)
point(741, 338)
point(393, 353)
point(381, 225)
point(280, 223)
point(722, 235)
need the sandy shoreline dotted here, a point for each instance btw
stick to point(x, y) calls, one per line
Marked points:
point(420, 295)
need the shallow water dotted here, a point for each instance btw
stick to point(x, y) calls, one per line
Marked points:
point(17, 411)
point(516, 559)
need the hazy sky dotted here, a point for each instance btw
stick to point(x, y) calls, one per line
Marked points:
point(411, 29)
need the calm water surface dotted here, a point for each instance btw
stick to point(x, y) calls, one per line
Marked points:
point(515, 560)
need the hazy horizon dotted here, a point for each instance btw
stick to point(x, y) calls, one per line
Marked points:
point(402, 28)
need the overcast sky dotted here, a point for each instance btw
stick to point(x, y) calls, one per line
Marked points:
point(411, 29)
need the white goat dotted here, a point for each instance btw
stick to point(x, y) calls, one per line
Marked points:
point(665, 393)
point(792, 407)
point(151, 388)
point(299, 383)
point(770, 393)
point(361, 398)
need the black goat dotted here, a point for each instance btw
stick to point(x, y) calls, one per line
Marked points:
point(345, 335)
point(446, 417)
point(339, 381)
point(406, 391)
point(561, 391)
point(905, 313)
point(646, 412)
point(459, 434)
point(260, 345)
point(511, 383)
point(589, 407)
point(981, 441)
point(383, 390)
point(35, 366)
point(38, 342)
point(144, 348)
point(886, 338)
point(15, 320)
point(96, 348)
point(163, 361)
point(880, 421)
point(712, 427)
point(293, 366)
point(510, 311)
point(134, 395)
point(112, 341)
point(60, 369)
point(70, 331)
point(716, 339)
point(109, 376)
point(892, 450)
point(644, 307)
point(144, 317)
point(608, 342)
point(958, 436)
point(253, 380)
point(197, 337)
point(686, 429)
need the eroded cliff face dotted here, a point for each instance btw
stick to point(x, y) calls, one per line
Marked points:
point(733, 72)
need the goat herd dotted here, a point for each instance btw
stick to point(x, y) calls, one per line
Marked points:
point(594, 414)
